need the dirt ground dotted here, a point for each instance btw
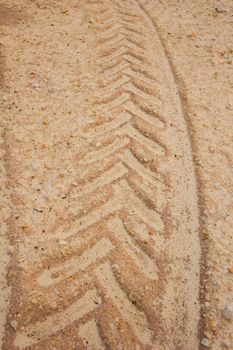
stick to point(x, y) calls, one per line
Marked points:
point(116, 174)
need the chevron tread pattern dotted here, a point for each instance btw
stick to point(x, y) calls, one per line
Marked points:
point(109, 265)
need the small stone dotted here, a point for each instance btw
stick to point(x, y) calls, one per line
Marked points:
point(217, 285)
point(46, 121)
point(213, 324)
point(225, 344)
point(230, 270)
point(62, 242)
point(14, 325)
point(205, 342)
point(228, 312)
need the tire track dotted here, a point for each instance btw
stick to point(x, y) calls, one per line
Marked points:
point(53, 324)
point(139, 213)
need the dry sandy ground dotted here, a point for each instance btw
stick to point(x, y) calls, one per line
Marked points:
point(116, 174)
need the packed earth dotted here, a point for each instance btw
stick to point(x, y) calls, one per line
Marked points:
point(116, 174)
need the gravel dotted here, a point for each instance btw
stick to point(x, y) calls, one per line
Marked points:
point(205, 342)
point(228, 312)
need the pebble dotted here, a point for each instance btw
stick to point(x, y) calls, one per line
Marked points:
point(34, 301)
point(225, 344)
point(217, 285)
point(213, 324)
point(228, 312)
point(205, 342)
point(14, 325)
point(62, 242)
